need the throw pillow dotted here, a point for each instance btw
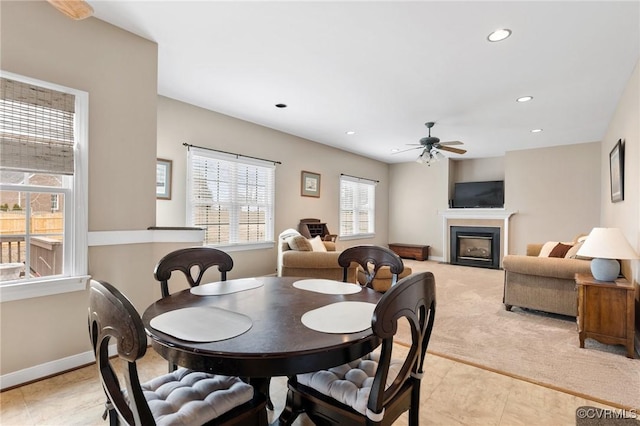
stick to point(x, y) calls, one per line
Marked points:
point(299, 243)
point(573, 251)
point(547, 247)
point(560, 250)
point(317, 244)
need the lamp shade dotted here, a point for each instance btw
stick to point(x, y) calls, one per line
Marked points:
point(607, 243)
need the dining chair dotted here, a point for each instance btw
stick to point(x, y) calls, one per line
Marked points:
point(190, 260)
point(371, 258)
point(183, 397)
point(378, 388)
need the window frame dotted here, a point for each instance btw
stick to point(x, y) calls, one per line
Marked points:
point(75, 248)
point(370, 185)
point(214, 155)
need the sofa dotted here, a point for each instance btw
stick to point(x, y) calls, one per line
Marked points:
point(544, 279)
point(298, 259)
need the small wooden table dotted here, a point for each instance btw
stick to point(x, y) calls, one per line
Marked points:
point(414, 251)
point(606, 311)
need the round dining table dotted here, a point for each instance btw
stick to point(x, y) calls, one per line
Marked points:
point(277, 342)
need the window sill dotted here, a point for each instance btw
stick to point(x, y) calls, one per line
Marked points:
point(17, 290)
point(357, 236)
point(244, 247)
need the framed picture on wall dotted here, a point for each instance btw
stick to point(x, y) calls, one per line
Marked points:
point(163, 179)
point(310, 185)
point(616, 169)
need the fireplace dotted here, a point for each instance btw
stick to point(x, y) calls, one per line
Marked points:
point(475, 246)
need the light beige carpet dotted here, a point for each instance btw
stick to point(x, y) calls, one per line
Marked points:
point(472, 326)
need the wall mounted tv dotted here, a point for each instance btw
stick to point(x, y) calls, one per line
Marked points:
point(488, 194)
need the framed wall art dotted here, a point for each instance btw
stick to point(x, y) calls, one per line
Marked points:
point(163, 179)
point(616, 169)
point(310, 185)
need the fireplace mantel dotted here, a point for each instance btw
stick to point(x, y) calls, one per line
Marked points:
point(475, 215)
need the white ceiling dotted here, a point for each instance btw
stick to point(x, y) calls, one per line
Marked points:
point(383, 69)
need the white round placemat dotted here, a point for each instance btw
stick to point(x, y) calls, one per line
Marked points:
point(340, 317)
point(327, 286)
point(202, 324)
point(226, 287)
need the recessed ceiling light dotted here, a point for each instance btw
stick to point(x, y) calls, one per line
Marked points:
point(536, 130)
point(524, 99)
point(499, 35)
point(281, 105)
point(350, 132)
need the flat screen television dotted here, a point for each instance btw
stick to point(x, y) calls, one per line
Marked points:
point(488, 194)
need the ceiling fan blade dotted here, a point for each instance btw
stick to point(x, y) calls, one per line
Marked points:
point(408, 149)
point(74, 9)
point(454, 150)
point(451, 143)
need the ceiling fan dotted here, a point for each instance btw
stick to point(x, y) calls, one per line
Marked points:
point(431, 147)
point(74, 9)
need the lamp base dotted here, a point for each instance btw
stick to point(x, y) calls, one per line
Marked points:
point(605, 269)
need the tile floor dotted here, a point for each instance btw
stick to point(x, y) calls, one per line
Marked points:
point(453, 393)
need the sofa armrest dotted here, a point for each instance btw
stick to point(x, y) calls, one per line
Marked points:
point(556, 267)
point(310, 259)
point(330, 245)
point(534, 249)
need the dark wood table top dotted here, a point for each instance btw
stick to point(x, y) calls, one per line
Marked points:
point(277, 344)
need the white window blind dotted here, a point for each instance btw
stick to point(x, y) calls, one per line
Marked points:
point(357, 207)
point(36, 128)
point(230, 197)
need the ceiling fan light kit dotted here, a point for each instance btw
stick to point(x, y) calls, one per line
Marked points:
point(74, 9)
point(431, 147)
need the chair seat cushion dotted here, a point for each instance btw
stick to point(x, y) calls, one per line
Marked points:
point(185, 397)
point(350, 383)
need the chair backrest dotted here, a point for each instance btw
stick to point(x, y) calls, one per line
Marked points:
point(414, 298)
point(190, 260)
point(111, 315)
point(371, 258)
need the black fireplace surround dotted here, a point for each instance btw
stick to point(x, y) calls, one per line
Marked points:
point(477, 246)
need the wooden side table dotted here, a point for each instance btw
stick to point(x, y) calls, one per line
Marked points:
point(606, 311)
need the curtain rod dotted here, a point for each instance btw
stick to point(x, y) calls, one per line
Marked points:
point(230, 153)
point(361, 178)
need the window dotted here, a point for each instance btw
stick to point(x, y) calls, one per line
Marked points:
point(231, 198)
point(357, 207)
point(43, 138)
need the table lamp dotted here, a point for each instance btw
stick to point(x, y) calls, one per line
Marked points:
point(606, 246)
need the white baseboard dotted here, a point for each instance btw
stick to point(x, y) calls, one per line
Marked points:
point(51, 368)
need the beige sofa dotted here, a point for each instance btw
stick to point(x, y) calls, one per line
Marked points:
point(543, 283)
point(312, 264)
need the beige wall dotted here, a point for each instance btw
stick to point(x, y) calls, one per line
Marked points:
point(118, 70)
point(417, 193)
point(625, 215)
point(179, 122)
point(555, 191)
